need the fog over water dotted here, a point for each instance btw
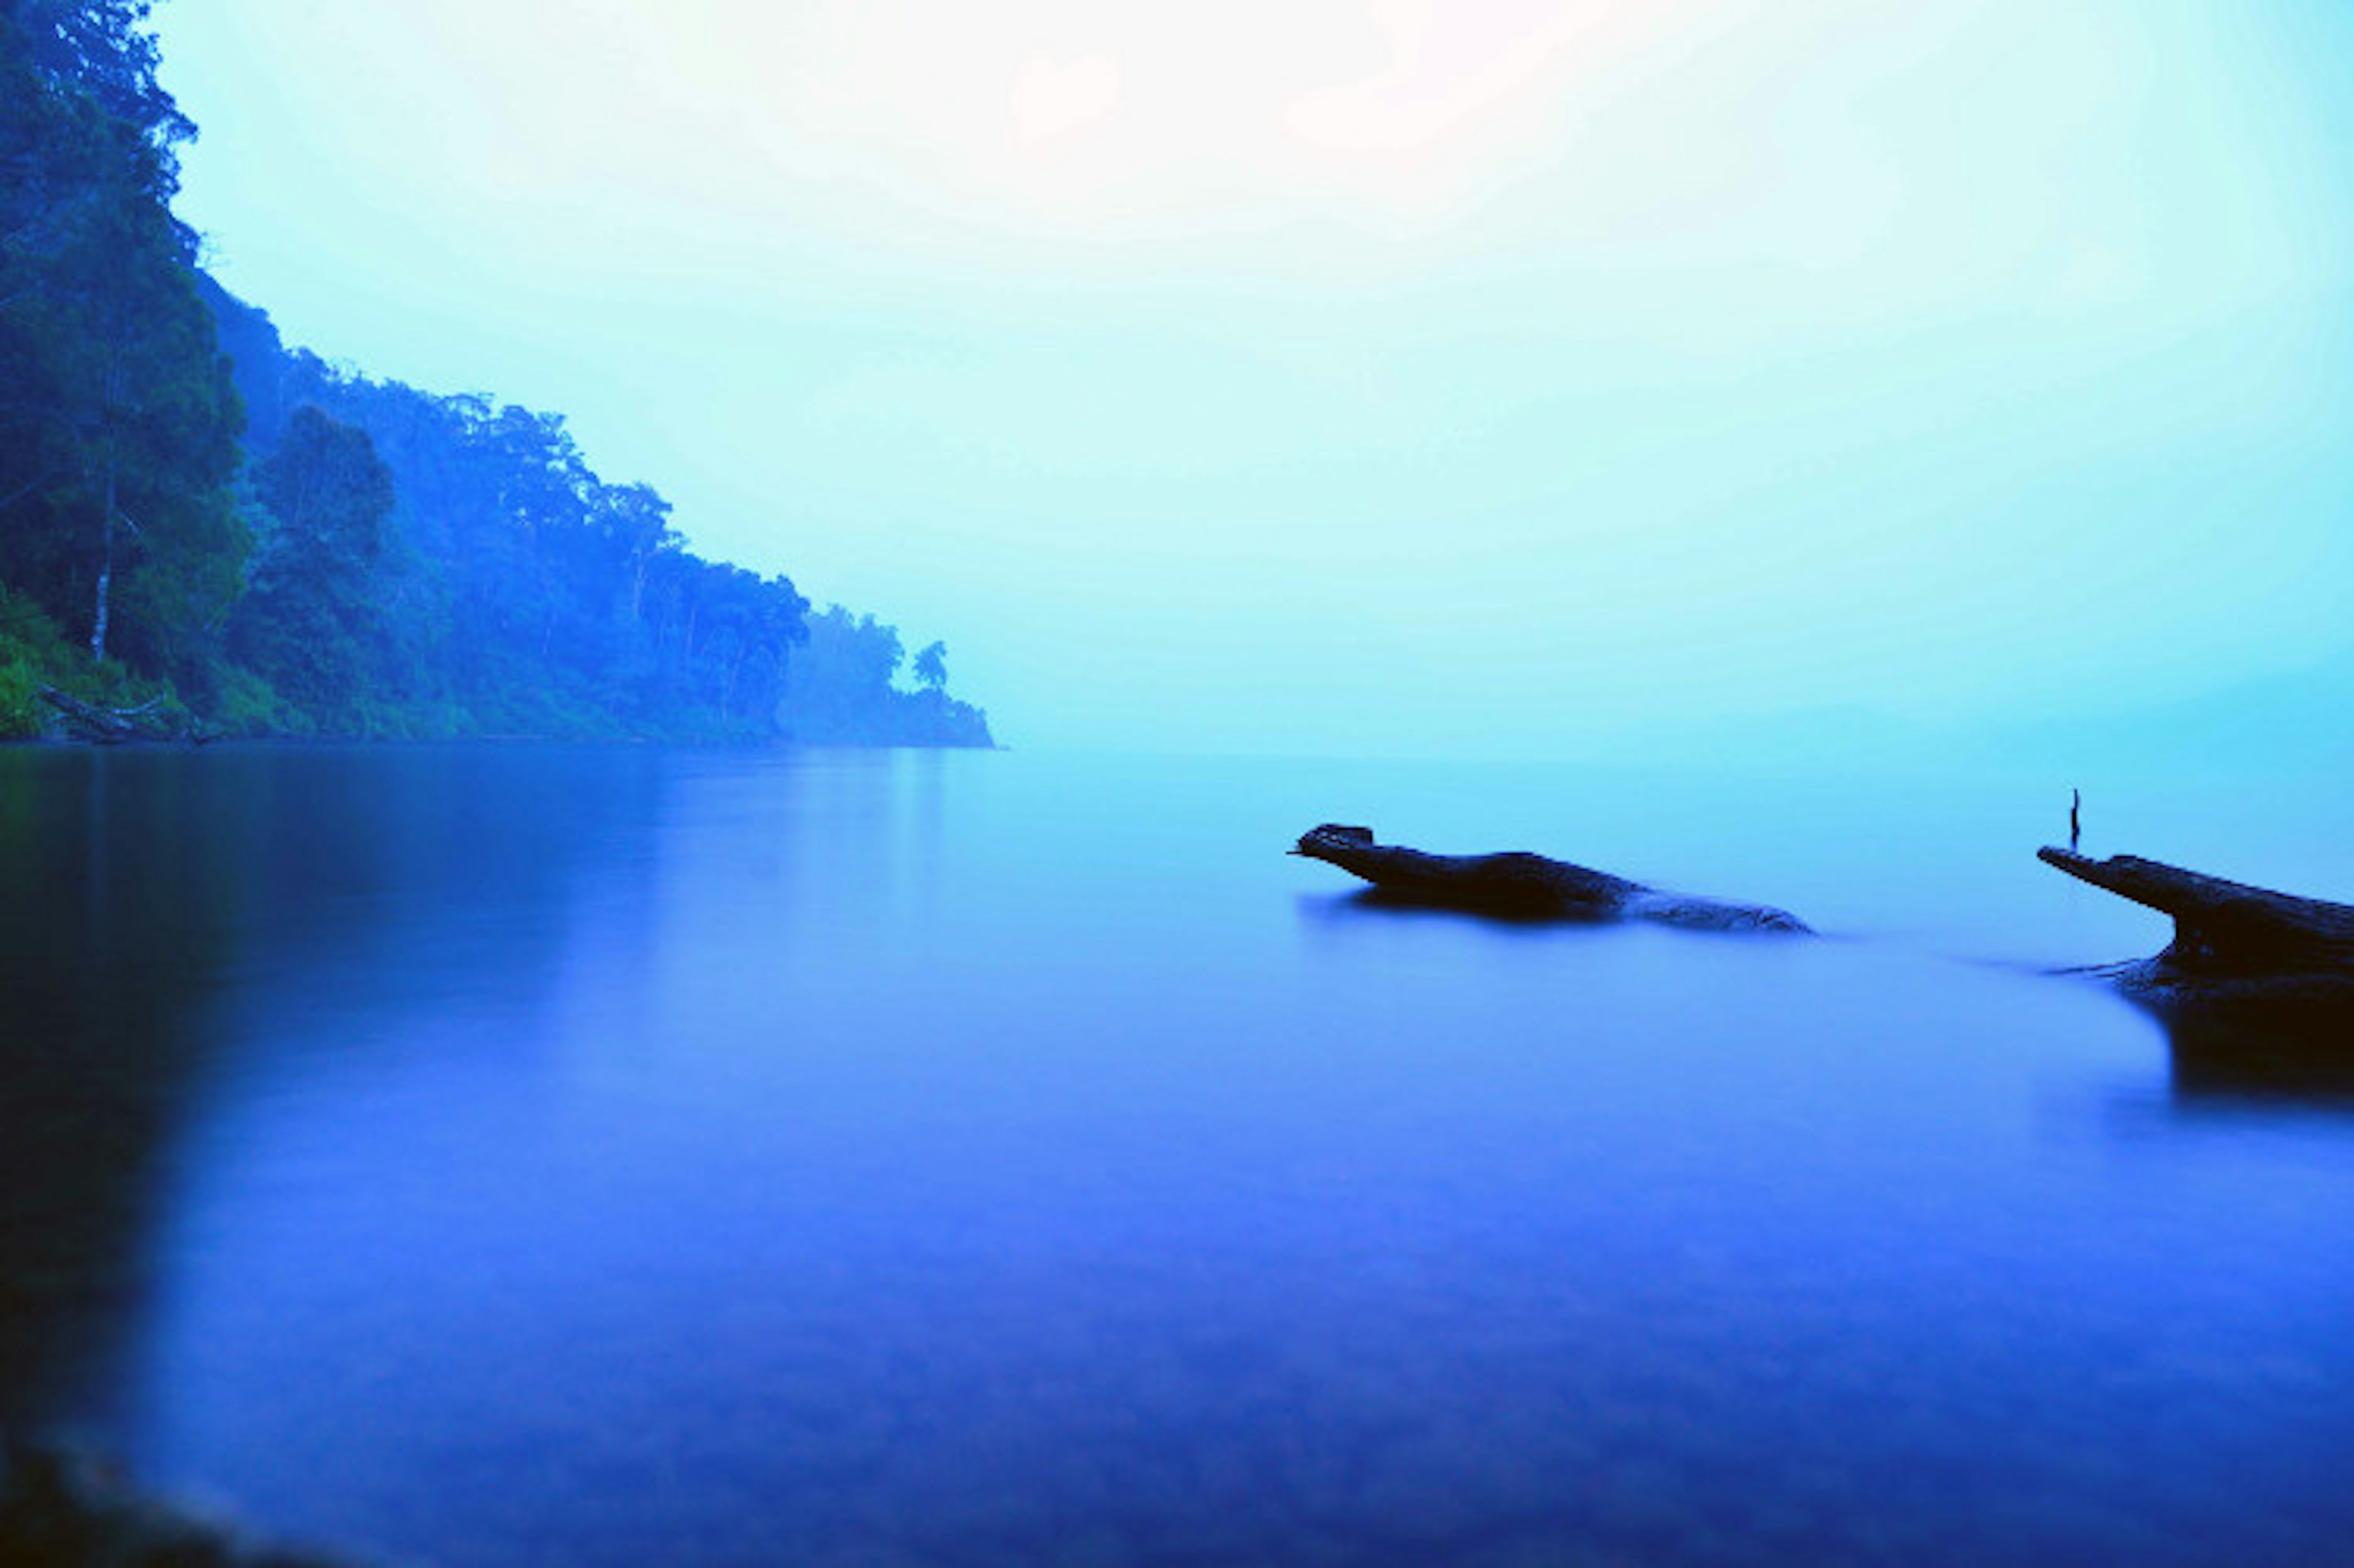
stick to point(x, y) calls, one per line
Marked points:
point(507, 1154)
point(1491, 378)
point(1774, 450)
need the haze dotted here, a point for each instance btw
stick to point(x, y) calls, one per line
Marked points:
point(1484, 378)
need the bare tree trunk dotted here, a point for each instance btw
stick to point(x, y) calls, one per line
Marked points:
point(105, 569)
point(113, 404)
point(735, 672)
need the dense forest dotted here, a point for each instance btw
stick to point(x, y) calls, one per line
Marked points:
point(223, 537)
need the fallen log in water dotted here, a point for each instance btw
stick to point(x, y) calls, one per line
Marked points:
point(2235, 946)
point(1522, 887)
point(107, 726)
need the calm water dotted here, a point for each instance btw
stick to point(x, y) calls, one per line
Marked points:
point(501, 1156)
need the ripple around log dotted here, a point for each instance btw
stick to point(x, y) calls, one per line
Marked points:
point(1518, 885)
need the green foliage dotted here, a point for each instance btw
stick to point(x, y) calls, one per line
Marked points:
point(360, 558)
point(35, 651)
point(840, 690)
point(521, 593)
point(32, 654)
point(20, 701)
point(102, 48)
point(309, 627)
point(120, 435)
point(246, 705)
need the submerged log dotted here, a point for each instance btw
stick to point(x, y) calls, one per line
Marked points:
point(1518, 885)
point(2235, 945)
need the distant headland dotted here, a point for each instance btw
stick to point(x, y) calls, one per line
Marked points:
point(220, 536)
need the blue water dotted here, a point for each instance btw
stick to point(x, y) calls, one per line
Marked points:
point(496, 1155)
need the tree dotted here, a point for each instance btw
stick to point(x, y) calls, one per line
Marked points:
point(637, 519)
point(153, 420)
point(309, 625)
point(932, 667)
point(118, 422)
point(387, 560)
point(102, 48)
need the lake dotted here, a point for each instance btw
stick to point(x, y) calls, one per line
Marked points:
point(504, 1155)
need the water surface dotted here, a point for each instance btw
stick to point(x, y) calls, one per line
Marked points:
point(490, 1155)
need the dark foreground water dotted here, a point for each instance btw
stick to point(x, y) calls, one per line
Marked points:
point(609, 1156)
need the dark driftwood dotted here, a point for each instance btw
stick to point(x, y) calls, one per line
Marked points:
point(1522, 886)
point(2233, 945)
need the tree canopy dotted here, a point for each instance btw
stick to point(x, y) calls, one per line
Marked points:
point(193, 513)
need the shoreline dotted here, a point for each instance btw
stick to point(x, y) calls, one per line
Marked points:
point(64, 1503)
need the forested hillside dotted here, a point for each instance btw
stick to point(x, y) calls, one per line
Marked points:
point(234, 538)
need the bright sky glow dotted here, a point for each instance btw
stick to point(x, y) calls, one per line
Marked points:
point(1052, 101)
point(1486, 375)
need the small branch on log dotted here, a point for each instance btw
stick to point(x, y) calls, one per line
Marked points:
point(2234, 943)
point(1522, 887)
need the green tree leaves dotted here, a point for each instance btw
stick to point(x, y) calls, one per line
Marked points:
point(118, 428)
point(391, 562)
point(309, 625)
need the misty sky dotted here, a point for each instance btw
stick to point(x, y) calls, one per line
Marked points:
point(1483, 376)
